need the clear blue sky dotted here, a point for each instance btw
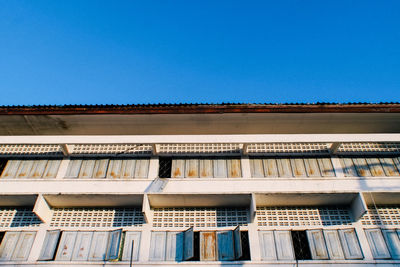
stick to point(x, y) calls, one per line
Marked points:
point(130, 52)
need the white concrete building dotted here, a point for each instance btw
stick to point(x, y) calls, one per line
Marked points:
point(200, 185)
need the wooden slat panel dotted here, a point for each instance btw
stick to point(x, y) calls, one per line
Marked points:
point(192, 168)
point(226, 251)
point(98, 247)
point(333, 244)
point(52, 168)
point(312, 167)
point(220, 169)
point(100, 168)
point(82, 246)
point(38, 169)
point(50, 245)
point(267, 245)
point(270, 168)
point(389, 167)
point(206, 168)
point(317, 245)
point(157, 246)
point(178, 168)
point(171, 249)
point(257, 168)
point(142, 168)
point(234, 168)
point(361, 167)
point(348, 167)
point(208, 246)
point(349, 241)
point(284, 245)
point(375, 167)
point(284, 168)
point(24, 168)
point(238, 243)
point(377, 244)
point(298, 167)
point(66, 246)
point(393, 243)
point(128, 168)
point(23, 247)
point(114, 242)
point(8, 244)
point(74, 168)
point(188, 244)
point(87, 168)
point(326, 167)
point(114, 169)
point(10, 171)
point(126, 253)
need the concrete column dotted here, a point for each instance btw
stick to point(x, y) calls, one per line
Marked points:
point(153, 167)
point(62, 170)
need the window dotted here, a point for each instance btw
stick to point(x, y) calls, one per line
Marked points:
point(29, 168)
point(384, 244)
point(370, 166)
point(16, 246)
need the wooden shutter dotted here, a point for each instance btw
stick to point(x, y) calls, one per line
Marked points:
point(114, 242)
point(226, 251)
point(206, 168)
point(37, 169)
point(208, 246)
point(351, 247)
point(128, 168)
point(375, 167)
point(220, 169)
point(312, 167)
point(234, 168)
point(49, 245)
point(188, 244)
point(66, 246)
point(24, 168)
point(317, 244)
point(270, 168)
point(142, 168)
point(192, 168)
point(174, 246)
point(178, 168)
point(10, 171)
point(284, 245)
point(157, 246)
point(98, 246)
point(389, 167)
point(267, 245)
point(87, 168)
point(73, 168)
point(23, 246)
point(8, 244)
point(114, 169)
point(348, 167)
point(126, 253)
point(377, 244)
point(51, 168)
point(361, 167)
point(298, 167)
point(82, 246)
point(100, 168)
point(238, 243)
point(393, 243)
point(284, 168)
point(257, 169)
point(326, 167)
point(333, 244)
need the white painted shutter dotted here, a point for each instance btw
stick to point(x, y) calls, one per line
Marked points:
point(114, 169)
point(375, 167)
point(361, 167)
point(393, 243)
point(351, 247)
point(206, 168)
point(98, 246)
point(8, 244)
point(284, 168)
point(10, 171)
point(333, 244)
point(49, 245)
point(126, 253)
point(220, 169)
point(267, 245)
point(389, 167)
point(284, 245)
point(142, 168)
point(51, 168)
point(317, 245)
point(312, 167)
point(128, 168)
point(298, 167)
point(87, 168)
point(270, 168)
point(178, 168)
point(37, 169)
point(82, 246)
point(226, 251)
point(157, 246)
point(348, 167)
point(208, 246)
point(100, 168)
point(23, 247)
point(66, 246)
point(377, 244)
point(257, 169)
point(171, 249)
point(192, 168)
point(238, 243)
point(24, 168)
point(73, 168)
point(114, 242)
point(188, 244)
point(234, 168)
point(326, 167)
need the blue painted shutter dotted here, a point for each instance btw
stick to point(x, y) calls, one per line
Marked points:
point(174, 246)
point(238, 243)
point(377, 243)
point(114, 242)
point(188, 244)
point(98, 247)
point(225, 246)
point(393, 243)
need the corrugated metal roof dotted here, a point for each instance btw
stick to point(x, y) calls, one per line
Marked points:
point(198, 108)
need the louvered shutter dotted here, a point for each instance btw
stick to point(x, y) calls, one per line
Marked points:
point(157, 246)
point(208, 248)
point(298, 167)
point(49, 245)
point(82, 246)
point(66, 246)
point(206, 168)
point(178, 168)
point(174, 246)
point(333, 244)
point(226, 251)
point(100, 168)
point(270, 168)
point(98, 246)
point(126, 253)
point(114, 242)
point(8, 244)
point(377, 244)
point(238, 243)
point(23, 246)
point(284, 168)
point(234, 169)
point(267, 245)
point(317, 244)
point(284, 245)
point(142, 168)
point(74, 168)
point(10, 171)
point(257, 169)
point(351, 247)
point(220, 169)
point(188, 244)
point(393, 243)
point(312, 167)
point(192, 168)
